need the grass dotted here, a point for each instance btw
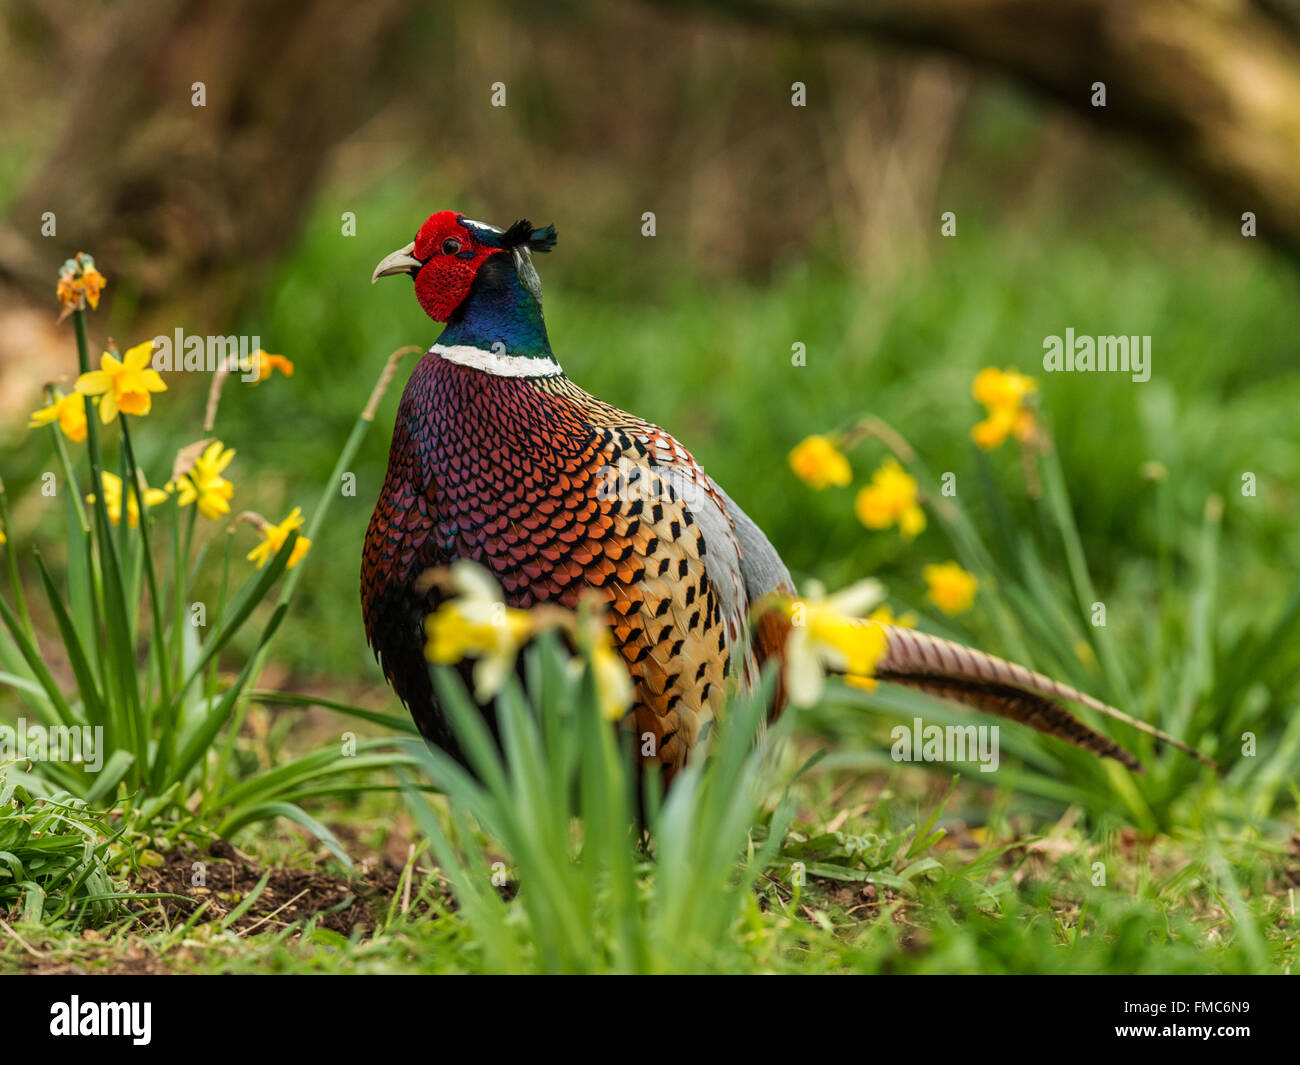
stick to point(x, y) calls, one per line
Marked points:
point(855, 863)
point(1005, 899)
point(54, 854)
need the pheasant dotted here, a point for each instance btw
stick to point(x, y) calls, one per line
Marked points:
point(499, 458)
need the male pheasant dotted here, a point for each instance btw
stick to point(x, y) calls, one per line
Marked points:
point(499, 458)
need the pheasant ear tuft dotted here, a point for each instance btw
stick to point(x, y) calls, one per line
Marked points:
point(542, 239)
point(522, 234)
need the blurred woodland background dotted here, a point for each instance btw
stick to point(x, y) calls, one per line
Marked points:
point(775, 225)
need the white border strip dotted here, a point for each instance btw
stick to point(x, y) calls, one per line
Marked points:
point(496, 363)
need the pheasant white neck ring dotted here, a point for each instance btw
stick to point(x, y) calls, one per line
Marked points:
point(498, 362)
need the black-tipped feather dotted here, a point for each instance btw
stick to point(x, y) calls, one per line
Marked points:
point(523, 234)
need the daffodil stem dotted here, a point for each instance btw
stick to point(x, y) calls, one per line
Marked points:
point(179, 570)
point(96, 581)
point(83, 346)
point(61, 449)
point(12, 560)
point(211, 683)
point(870, 425)
point(181, 579)
point(189, 546)
point(92, 428)
point(168, 738)
point(237, 717)
point(92, 420)
point(122, 721)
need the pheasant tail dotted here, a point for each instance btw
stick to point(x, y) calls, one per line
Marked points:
point(973, 678)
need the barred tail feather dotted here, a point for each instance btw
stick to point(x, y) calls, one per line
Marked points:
point(973, 678)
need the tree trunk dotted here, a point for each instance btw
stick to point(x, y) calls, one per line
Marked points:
point(176, 198)
point(1214, 85)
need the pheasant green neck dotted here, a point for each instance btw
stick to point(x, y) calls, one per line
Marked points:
point(499, 327)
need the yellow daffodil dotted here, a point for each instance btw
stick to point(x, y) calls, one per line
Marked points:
point(123, 385)
point(890, 498)
point(882, 615)
point(203, 482)
point(273, 538)
point(79, 283)
point(952, 589)
point(819, 463)
point(3, 538)
point(113, 491)
point(828, 634)
point(265, 363)
point(1003, 393)
point(614, 691)
point(68, 411)
point(476, 623)
point(1002, 388)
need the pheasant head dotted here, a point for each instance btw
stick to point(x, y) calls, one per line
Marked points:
point(479, 280)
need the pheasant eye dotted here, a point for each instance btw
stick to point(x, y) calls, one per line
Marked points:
point(450, 246)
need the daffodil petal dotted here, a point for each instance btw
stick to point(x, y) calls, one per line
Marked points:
point(490, 673)
point(857, 598)
point(137, 358)
point(802, 676)
point(93, 383)
point(474, 583)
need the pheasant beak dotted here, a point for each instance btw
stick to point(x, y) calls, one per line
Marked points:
point(399, 262)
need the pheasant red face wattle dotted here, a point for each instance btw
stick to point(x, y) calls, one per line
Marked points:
point(444, 259)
